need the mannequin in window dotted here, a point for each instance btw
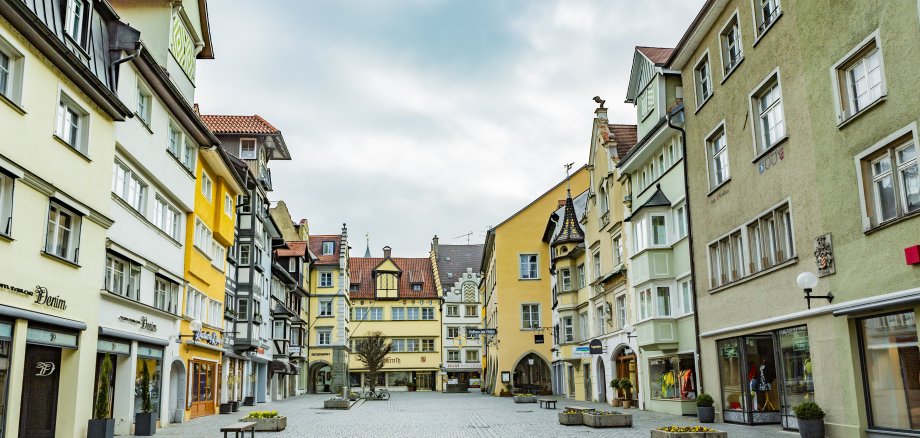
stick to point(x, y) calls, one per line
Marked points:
point(765, 386)
point(753, 383)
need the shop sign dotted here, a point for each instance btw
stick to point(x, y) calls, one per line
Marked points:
point(391, 360)
point(319, 354)
point(48, 337)
point(581, 351)
point(771, 159)
point(208, 337)
point(800, 343)
point(449, 365)
point(473, 332)
point(45, 369)
point(730, 352)
point(596, 346)
point(294, 350)
point(538, 339)
point(824, 255)
point(41, 296)
point(143, 322)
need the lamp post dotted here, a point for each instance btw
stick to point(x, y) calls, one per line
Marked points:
point(808, 281)
point(628, 328)
point(195, 326)
point(530, 365)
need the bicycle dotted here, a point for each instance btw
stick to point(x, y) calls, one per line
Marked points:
point(378, 394)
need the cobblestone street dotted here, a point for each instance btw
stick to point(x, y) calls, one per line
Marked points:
point(435, 414)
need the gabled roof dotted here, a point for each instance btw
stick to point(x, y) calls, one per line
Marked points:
point(647, 62)
point(254, 124)
point(316, 247)
point(658, 199)
point(658, 55)
point(295, 248)
point(414, 270)
point(625, 137)
point(454, 259)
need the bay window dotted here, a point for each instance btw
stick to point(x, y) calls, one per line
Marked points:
point(568, 329)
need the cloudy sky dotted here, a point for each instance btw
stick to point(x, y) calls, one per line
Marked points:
point(410, 118)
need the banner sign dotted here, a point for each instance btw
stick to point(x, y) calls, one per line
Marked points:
point(471, 332)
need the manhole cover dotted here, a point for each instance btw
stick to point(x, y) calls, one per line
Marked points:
point(524, 412)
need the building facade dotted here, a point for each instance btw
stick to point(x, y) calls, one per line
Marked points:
point(461, 353)
point(398, 297)
point(330, 312)
point(817, 141)
point(517, 295)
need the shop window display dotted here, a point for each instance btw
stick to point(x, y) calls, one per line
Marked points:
point(890, 366)
point(730, 375)
point(798, 379)
point(154, 370)
point(673, 377)
point(6, 332)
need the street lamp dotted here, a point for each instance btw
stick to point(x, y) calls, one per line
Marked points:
point(808, 281)
point(195, 326)
point(628, 328)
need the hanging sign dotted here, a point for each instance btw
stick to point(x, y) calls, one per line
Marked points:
point(596, 346)
point(208, 337)
point(473, 332)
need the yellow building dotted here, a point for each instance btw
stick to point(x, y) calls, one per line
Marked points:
point(517, 286)
point(329, 312)
point(209, 232)
point(400, 298)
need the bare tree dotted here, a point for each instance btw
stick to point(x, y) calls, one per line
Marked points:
point(372, 352)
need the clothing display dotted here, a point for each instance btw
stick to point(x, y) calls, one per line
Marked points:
point(686, 383)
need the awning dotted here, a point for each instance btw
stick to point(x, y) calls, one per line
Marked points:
point(14, 312)
point(279, 366)
point(880, 302)
point(132, 336)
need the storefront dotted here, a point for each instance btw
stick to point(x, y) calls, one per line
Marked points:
point(763, 375)
point(203, 387)
point(461, 377)
point(39, 403)
point(6, 343)
point(419, 380)
point(627, 367)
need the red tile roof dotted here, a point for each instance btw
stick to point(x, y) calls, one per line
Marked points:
point(658, 55)
point(414, 270)
point(625, 136)
point(294, 248)
point(239, 125)
point(316, 247)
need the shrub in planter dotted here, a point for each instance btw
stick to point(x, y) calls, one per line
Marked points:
point(615, 384)
point(101, 426)
point(353, 396)
point(704, 410)
point(525, 398)
point(606, 419)
point(687, 432)
point(267, 421)
point(571, 417)
point(145, 421)
point(810, 418)
point(410, 386)
point(626, 385)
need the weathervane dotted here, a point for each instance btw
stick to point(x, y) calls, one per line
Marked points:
point(568, 168)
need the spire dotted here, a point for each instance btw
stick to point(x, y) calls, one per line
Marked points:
point(367, 252)
point(571, 231)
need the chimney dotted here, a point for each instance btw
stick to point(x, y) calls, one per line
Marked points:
point(386, 252)
point(434, 244)
point(600, 113)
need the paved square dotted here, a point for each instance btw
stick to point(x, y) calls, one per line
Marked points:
point(435, 414)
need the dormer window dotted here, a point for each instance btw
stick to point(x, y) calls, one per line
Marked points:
point(353, 287)
point(75, 18)
point(248, 149)
point(416, 287)
point(328, 248)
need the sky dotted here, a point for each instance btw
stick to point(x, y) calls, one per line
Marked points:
point(407, 119)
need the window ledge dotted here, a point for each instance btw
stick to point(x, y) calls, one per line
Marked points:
point(71, 263)
point(892, 222)
point(868, 107)
point(15, 106)
point(716, 188)
point(703, 103)
point(72, 149)
point(727, 73)
point(767, 29)
point(529, 279)
point(792, 261)
point(6, 237)
point(772, 147)
point(143, 122)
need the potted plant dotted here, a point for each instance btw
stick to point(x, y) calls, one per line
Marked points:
point(267, 421)
point(810, 418)
point(606, 419)
point(145, 421)
point(687, 432)
point(704, 410)
point(101, 426)
point(410, 386)
point(250, 400)
point(571, 417)
point(353, 396)
point(525, 398)
point(626, 385)
point(232, 380)
point(615, 384)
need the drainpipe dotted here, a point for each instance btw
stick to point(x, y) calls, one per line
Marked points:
point(117, 62)
point(696, 320)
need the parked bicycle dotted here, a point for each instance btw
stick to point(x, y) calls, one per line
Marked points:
point(378, 394)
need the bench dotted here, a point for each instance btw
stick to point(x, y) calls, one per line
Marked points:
point(545, 403)
point(239, 429)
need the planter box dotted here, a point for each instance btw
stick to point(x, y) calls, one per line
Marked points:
point(662, 434)
point(706, 414)
point(336, 404)
point(145, 424)
point(571, 419)
point(226, 408)
point(101, 429)
point(249, 401)
point(234, 406)
point(269, 424)
point(617, 420)
point(522, 399)
point(811, 428)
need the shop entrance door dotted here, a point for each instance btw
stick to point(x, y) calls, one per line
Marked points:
point(424, 381)
point(40, 392)
point(586, 372)
point(203, 389)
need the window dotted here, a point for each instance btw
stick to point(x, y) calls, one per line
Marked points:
point(530, 316)
point(324, 337)
point(663, 301)
point(10, 72)
point(398, 313)
point(428, 313)
point(726, 259)
point(686, 296)
point(680, 221)
point(659, 231)
point(582, 281)
point(601, 316)
point(646, 100)
point(228, 204)
point(671, 377)
point(328, 248)
point(453, 310)
point(175, 141)
point(889, 345)
point(453, 355)
point(859, 78)
point(427, 344)
point(617, 246)
point(453, 332)
point(412, 345)
point(194, 304)
point(399, 345)
point(596, 258)
point(325, 308)
point(891, 180)
point(730, 40)
point(188, 155)
point(207, 187)
point(166, 295)
point(167, 218)
point(717, 155)
point(243, 202)
point(471, 311)
point(528, 266)
point(565, 276)
point(127, 186)
point(122, 277)
point(766, 12)
point(62, 237)
point(568, 329)
point(74, 20)
point(602, 201)
point(71, 124)
point(621, 311)
point(767, 103)
point(645, 304)
point(583, 326)
point(325, 279)
point(215, 313)
point(416, 287)
point(143, 104)
point(245, 253)
point(412, 313)
point(6, 204)
point(703, 79)
point(248, 148)
point(203, 237)
point(360, 313)
point(771, 238)
point(472, 356)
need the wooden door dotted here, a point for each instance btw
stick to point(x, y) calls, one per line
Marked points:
point(40, 392)
point(203, 393)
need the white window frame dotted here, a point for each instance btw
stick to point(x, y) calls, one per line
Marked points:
point(127, 186)
point(325, 307)
point(54, 236)
point(77, 134)
point(453, 355)
point(328, 247)
point(708, 140)
point(893, 141)
point(568, 329)
point(195, 304)
point(616, 243)
point(645, 308)
point(144, 110)
point(621, 310)
point(597, 264)
point(565, 277)
point(761, 27)
point(12, 74)
point(323, 276)
point(472, 353)
point(166, 295)
point(651, 230)
point(228, 205)
point(533, 274)
point(7, 188)
point(772, 80)
point(732, 25)
point(76, 29)
point(685, 292)
point(207, 185)
point(582, 275)
point(528, 315)
point(324, 337)
point(167, 218)
point(698, 79)
point(129, 285)
point(467, 310)
point(453, 332)
point(453, 310)
point(244, 155)
point(398, 313)
point(841, 80)
point(680, 221)
point(427, 314)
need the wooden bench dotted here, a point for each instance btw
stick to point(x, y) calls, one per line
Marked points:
point(546, 402)
point(239, 429)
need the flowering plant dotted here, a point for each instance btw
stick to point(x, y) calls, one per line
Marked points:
point(686, 429)
point(604, 413)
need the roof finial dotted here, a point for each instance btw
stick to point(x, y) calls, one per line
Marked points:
point(568, 182)
point(367, 238)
